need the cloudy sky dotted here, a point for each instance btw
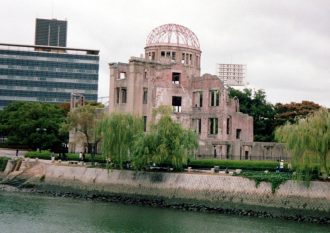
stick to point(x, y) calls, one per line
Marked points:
point(284, 43)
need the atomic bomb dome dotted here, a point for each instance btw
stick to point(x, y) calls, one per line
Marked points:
point(170, 74)
point(173, 34)
point(174, 43)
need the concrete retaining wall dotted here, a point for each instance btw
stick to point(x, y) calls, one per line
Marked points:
point(216, 190)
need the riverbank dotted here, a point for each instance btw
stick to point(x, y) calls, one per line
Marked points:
point(189, 192)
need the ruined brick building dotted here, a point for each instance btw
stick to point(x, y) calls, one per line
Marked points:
point(170, 74)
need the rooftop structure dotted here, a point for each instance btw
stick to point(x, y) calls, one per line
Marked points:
point(174, 35)
point(51, 32)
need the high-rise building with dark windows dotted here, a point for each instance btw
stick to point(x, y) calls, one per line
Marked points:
point(51, 32)
point(47, 73)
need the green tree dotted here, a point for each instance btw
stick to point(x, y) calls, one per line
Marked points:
point(254, 104)
point(83, 121)
point(33, 125)
point(166, 143)
point(308, 141)
point(118, 132)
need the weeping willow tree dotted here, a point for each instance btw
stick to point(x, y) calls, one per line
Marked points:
point(166, 143)
point(118, 132)
point(309, 143)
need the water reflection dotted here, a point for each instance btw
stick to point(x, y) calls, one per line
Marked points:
point(31, 213)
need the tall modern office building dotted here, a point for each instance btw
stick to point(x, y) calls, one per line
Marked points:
point(51, 32)
point(47, 73)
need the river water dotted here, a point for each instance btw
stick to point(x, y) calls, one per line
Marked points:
point(25, 213)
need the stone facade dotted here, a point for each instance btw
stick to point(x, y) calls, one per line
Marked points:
point(170, 74)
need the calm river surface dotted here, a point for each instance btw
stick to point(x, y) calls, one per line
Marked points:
point(26, 213)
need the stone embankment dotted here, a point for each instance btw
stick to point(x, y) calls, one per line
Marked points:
point(188, 191)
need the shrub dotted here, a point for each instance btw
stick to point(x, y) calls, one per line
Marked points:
point(276, 179)
point(3, 163)
point(254, 165)
point(44, 154)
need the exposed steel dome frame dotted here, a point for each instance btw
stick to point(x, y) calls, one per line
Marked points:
point(173, 34)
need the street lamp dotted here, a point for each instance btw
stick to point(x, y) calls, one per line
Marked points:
point(41, 130)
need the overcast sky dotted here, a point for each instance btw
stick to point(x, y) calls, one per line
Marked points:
point(284, 43)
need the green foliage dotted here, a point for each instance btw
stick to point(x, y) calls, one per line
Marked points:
point(163, 110)
point(309, 143)
point(118, 132)
point(68, 156)
point(166, 143)
point(43, 154)
point(276, 179)
point(292, 112)
point(84, 120)
point(3, 163)
point(254, 104)
point(33, 125)
point(255, 165)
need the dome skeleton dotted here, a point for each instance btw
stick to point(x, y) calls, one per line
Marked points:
point(173, 34)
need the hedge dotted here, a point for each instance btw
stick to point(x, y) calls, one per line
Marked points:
point(44, 154)
point(255, 165)
point(3, 163)
point(67, 156)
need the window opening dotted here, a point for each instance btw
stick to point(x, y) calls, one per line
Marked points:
point(173, 56)
point(227, 151)
point(176, 103)
point(123, 95)
point(214, 98)
point(213, 126)
point(228, 124)
point(145, 123)
point(199, 124)
point(145, 95)
point(238, 133)
point(176, 78)
point(246, 155)
point(117, 95)
point(122, 75)
point(198, 99)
